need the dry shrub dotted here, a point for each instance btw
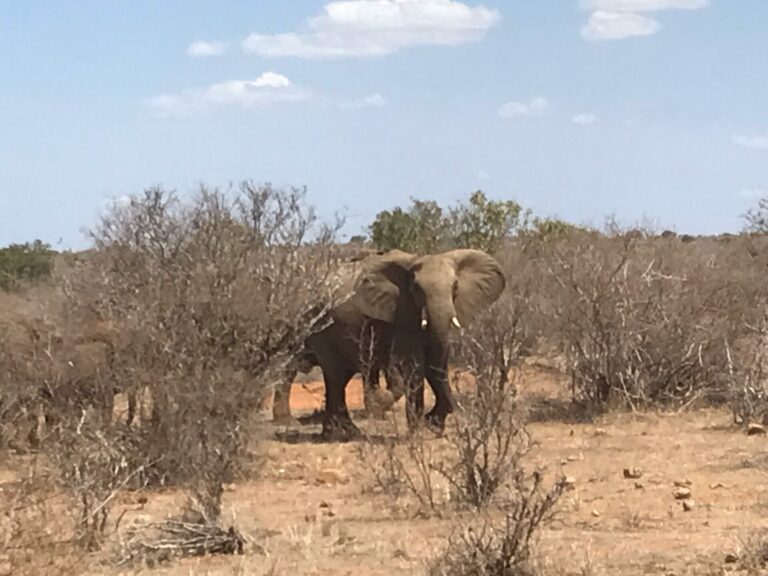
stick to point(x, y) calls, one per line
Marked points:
point(487, 439)
point(506, 547)
point(748, 374)
point(93, 463)
point(48, 367)
point(35, 537)
point(752, 556)
point(212, 297)
point(480, 455)
point(192, 304)
point(647, 321)
point(403, 463)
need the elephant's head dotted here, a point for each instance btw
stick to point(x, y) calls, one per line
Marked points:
point(440, 292)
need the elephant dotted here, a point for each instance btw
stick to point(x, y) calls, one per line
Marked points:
point(66, 375)
point(411, 306)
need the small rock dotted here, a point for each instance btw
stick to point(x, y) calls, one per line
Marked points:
point(688, 505)
point(570, 481)
point(400, 553)
point(639, 486)
point(573, 458)
point(326, 527)
point(324, 504)
point(595, 513)
point(731, 558)
point(682, 483)
point(753, 429)
point(329, 477)
point(633, 473)
point(681, 493)
point(716, 485)
point(600, 432)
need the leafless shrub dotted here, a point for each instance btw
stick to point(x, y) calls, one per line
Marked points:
point(488, 440)
point(403, 464)
point(506, 547)
point(212, 297)
point(748, 374)
point(194, 304)
point(487, 435)
point(35, 537)
point(645, 320)
point(752, 556)
point(94, 462)
point(481, 451)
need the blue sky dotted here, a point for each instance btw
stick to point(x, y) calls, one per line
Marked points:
point(576, 108)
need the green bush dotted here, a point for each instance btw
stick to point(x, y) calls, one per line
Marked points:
point(425, 227)
point(421, 229)
point(25, 262)
point(551, 229)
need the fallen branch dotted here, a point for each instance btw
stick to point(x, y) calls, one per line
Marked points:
point(174, 538)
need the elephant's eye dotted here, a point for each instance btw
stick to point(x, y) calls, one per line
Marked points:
point(455, 288)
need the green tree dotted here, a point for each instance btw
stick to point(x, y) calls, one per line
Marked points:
point(551, 228)
point(425, 227)
point(483, 223)
point(421, 229)
point(31, 261)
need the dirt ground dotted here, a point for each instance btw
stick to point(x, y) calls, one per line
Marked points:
point(307, 508)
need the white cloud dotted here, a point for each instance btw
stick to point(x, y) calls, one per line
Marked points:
point(642, 5)
point(372, 101)
point(617, 26)
point(203, 49)
point(268, 89)
point(535, 107)
point(619, 19)
point(752, 142)
point(754, 192)
point(366, 28)
point(584, 119)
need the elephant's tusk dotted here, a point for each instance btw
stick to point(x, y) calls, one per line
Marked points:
point(424, 323)
point(455, 322)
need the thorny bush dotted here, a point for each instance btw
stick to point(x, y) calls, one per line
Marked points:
point(649, 321)
point(479, 457)
point(506, 547)
point(212, 296)
point(190, 307)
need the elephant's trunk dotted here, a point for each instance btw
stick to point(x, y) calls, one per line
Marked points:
point(439, 316)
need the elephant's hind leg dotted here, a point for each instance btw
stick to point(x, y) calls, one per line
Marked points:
point(337, 423)
point(281, 403)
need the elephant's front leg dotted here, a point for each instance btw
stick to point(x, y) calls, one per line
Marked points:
point(444, 402)
point(437, 376)
point(411, 376)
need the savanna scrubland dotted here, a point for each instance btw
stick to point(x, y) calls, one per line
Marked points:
point(611, 421)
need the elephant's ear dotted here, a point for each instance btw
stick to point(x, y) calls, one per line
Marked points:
point(382, 290)
point(480, 282)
